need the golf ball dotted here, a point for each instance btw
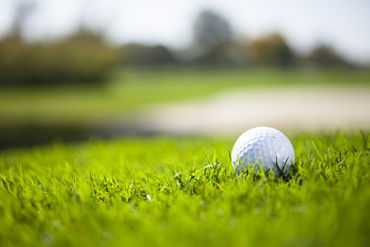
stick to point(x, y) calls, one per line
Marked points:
point(263, 145)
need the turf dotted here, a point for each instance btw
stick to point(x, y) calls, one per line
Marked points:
point(167, 191)
point(127, 90)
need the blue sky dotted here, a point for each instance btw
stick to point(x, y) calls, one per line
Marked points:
point(344, 24)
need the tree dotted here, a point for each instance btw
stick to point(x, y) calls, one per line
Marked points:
point(212, 34)
point(325, 56)
point(82, 58)
point(272, 50)
point(23, 10)
point(139, 54)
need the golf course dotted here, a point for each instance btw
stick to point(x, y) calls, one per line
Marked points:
point(184, 123)
point(166, 190)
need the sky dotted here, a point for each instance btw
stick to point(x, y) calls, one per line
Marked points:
point(344, 24)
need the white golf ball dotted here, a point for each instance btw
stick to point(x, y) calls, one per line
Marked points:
point(263, 145)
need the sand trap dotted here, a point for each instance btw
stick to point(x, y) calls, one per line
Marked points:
point(236, 111)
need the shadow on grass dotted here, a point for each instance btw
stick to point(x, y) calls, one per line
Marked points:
point(37, 134)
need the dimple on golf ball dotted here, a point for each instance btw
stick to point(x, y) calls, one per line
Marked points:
point(263, 145)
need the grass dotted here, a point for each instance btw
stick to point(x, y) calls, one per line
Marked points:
point(129, 90)
point(167, 191)
point(42, 114)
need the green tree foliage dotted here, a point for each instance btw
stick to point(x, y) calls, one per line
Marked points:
point(139, 54)
point(325, 56)
point(272, 50)
point(80, 58)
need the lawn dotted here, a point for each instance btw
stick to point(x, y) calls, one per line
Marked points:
point(42, 114)
point(128, 90)
point(167, 191)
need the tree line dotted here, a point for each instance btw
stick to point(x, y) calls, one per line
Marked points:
point(86, 56)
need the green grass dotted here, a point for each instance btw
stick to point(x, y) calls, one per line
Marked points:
point(129, 90)
point(162, 192)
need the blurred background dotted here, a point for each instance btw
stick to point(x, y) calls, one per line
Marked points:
point(77, 69)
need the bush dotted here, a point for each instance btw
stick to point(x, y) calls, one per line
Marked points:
point(81, 58)
point(272, 50)
point(325, 56)
point(141, 55)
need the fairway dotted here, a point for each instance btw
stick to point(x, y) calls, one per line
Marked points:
point(184, 124)
point(146, 100)
point(167, 191)
point(128, 90)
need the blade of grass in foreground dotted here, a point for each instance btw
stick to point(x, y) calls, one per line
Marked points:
point(183, 192)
